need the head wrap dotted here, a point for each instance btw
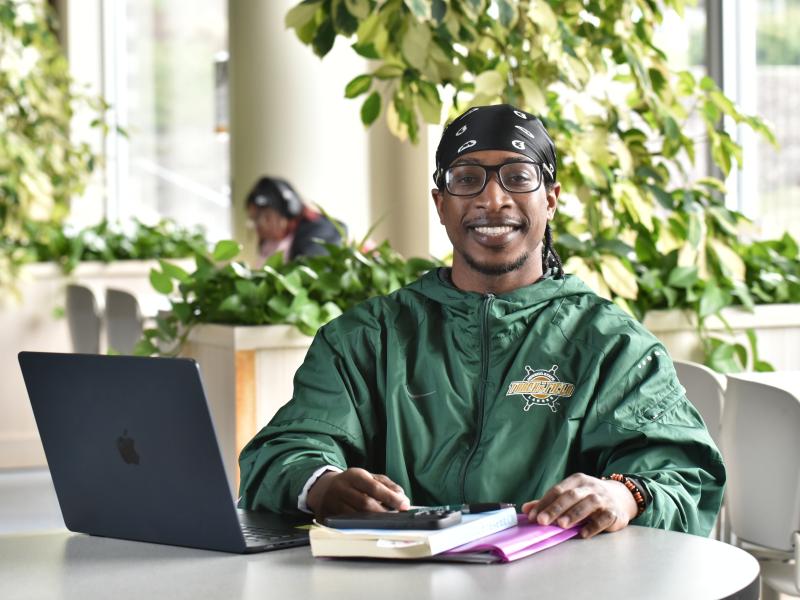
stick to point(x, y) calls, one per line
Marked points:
point(278, 194)
point(496, 127)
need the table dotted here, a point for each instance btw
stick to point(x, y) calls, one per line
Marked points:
point(636, 562)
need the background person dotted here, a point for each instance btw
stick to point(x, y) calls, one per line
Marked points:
point(501, 379)
point(285, 224)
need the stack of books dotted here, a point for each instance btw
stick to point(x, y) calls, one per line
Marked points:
point(496, 536)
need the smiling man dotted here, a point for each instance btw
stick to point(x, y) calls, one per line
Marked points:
point(501, 379)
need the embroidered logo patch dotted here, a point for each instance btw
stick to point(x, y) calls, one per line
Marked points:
point(541, 388)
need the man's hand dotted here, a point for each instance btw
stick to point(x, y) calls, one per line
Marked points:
point(605, 505)
point(355, 490)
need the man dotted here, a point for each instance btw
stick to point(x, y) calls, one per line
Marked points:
point(285, 224)
point(501, 379)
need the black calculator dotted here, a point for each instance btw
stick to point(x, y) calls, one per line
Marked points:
point(415, 518)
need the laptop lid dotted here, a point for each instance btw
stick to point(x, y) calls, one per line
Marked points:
point(131, 448)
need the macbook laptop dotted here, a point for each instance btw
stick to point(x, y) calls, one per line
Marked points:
point(133, 454)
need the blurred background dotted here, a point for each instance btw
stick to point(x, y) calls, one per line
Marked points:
point(184, 105)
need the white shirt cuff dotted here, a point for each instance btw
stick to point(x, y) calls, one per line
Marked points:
point(302, 499)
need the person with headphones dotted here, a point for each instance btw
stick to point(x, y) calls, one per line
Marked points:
point(285, 224)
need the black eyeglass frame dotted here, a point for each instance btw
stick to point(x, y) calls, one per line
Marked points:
point(488, 170)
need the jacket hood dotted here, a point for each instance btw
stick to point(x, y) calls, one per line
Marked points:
point(437, 286)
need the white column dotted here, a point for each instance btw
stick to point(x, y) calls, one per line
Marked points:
point(289, 117)
point(400, 184)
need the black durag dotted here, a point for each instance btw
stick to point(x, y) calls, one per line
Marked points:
point(496, 127)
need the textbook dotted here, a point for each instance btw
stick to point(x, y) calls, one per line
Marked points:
point(511, 544)
point(408, 543)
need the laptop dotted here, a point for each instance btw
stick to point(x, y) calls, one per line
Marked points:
point(133, 454)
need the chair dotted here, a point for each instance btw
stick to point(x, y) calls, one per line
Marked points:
point(83, 319)
point(124, 321)
point(761, 444)
point(705, 389)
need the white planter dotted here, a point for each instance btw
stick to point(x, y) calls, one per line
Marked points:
point(247, 375)
point(29, 324)
point(777, 328)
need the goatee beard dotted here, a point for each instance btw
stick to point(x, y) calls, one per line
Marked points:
point(494, 270)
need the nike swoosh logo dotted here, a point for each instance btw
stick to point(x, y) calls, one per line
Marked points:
point(418, 396)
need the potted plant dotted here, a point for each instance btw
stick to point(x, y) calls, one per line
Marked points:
point(635, 223)
point(249, 329)
point(41, 166)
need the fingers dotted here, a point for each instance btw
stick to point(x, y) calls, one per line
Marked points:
point(358, 490)
point(580, 499)
point(392, 486)
point(557, 499)
point(601, 521)
point(568, 507)
point(381, 491)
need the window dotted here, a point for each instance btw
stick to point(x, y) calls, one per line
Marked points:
point(160, 79)
point(683, 39)
point(777, 87)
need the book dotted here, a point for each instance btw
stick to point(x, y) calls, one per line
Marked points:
point(409, 543)
point(517, 542)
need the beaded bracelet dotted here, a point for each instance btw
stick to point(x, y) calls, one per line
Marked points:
point(638, 496)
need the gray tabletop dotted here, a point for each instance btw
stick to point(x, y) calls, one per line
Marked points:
point(635, 562)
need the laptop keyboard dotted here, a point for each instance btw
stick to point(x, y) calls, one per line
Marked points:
point(262, 535)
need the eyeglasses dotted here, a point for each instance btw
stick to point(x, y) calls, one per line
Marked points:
point(517, 177)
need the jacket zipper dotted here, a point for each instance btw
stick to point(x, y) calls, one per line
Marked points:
point(484, 333)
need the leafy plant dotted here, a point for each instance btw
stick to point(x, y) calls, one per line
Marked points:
point(307, 292)
point(636, 223)
point(106, 242)
point(41, 166)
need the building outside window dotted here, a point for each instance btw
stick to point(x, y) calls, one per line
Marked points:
point(160, 79)
point(777, 84)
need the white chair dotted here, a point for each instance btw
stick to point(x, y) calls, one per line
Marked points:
point(124, 321)
point(761, 444)
point(83, 319)
point(705, 389)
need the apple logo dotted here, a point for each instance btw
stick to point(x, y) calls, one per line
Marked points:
point(126, 449)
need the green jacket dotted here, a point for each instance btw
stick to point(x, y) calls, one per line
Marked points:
point(464, 397)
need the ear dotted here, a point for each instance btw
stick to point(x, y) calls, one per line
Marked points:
point(552, 200)
point(438, 201)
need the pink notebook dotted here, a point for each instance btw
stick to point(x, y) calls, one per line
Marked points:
point(511, 544)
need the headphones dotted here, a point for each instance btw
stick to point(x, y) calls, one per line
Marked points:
point(278, 194)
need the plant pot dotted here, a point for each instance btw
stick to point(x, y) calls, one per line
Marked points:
point(777, 328)
point(247, 374)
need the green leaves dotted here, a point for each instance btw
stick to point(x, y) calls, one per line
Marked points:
point(683, 277)
point(105, 242)
point(299, 16)
point(42, 165)
point(226, 250)
point(618, 113)
point(713, 300)
point(358, 86)
point(371, 108)
point(421, 9)
point(161, 282)
point(306, 293)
